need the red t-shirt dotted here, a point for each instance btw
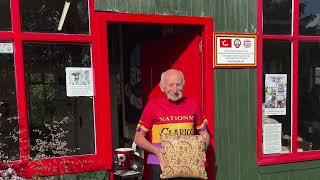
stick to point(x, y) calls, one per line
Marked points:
point(176, 118)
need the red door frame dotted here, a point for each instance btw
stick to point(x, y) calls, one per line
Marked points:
point(100, 36)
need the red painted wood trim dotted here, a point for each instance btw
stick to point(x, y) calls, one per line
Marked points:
point(277, 37)
point(55, 37)
point(288, 158)
point(295, 78)
point(6, 35)
point(295, 18)
point(151, 19)
point(259, 79)
point(291, 37)
point(209, 91)
point(15, 16)
point(21, 101)
point(20, 82)
point(103, 106)
point(295, 95)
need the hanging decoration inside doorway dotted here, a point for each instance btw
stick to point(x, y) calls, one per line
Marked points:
point(132, 83)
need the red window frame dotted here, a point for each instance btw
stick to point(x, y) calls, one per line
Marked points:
point(295, 37)
point(93, 162)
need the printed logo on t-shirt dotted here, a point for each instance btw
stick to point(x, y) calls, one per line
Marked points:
point(176, 118)
point(172, 129)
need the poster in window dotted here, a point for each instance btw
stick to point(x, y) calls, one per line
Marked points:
point(275, 94)
point(79, 81)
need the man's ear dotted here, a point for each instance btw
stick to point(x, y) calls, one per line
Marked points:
point(161, 87)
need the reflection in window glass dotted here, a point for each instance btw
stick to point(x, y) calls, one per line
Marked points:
point(277, 89)
point(54, 116)
point(44, 16)
point(5, 22)
point(309, 17)
point(9, 137)
point(309, 95)
point(277, 13)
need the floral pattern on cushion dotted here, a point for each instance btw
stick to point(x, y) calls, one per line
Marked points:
point(183, 156)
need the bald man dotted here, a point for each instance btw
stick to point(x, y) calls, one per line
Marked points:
point(170, 114)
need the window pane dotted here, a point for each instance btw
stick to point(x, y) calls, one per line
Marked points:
point(5, 22)
point(309, 17)
point(277, 92)
point(55, 117)
point(277, 16)
point(9, 137)
point(309, 96)
point(44, 16)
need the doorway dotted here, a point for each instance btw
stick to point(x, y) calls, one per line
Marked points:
point(138, 54)
point(139, 49)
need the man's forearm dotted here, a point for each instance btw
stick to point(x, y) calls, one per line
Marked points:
point(143, 143)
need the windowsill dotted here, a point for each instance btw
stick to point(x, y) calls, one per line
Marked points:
point(288, 162)
point(274, 168)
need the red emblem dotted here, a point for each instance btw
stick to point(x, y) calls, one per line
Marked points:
point(226, 43)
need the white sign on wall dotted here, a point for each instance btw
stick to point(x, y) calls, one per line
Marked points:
point(235, 50)
point(6, 48)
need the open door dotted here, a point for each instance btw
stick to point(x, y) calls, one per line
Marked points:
point(182, 51)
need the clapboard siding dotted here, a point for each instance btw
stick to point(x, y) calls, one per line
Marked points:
point(229, 15)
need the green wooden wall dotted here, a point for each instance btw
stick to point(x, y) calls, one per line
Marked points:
point(235, 96)
point(235, 132)
point(229, 15)
point(235, 90)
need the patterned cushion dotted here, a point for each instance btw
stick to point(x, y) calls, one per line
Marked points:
point(183, 156)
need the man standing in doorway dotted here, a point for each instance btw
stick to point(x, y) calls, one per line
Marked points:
point(171, 114)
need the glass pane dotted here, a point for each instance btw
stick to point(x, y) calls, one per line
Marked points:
point(64, 124)
point(277, 16)
point(9, 129)
point(309, 96)
point(44, 16)
point(309, 17)
point(5, 22)
point(276, 96)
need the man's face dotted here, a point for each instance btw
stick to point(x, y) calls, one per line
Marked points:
point(173, 87)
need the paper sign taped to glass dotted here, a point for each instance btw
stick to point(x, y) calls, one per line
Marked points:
point(79, 81)
point(275, 94)
point(272, 138)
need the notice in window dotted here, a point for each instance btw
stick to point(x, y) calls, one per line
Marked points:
point(272, 138)
point(6, 48)
point(79, 81)
point(275, 94)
